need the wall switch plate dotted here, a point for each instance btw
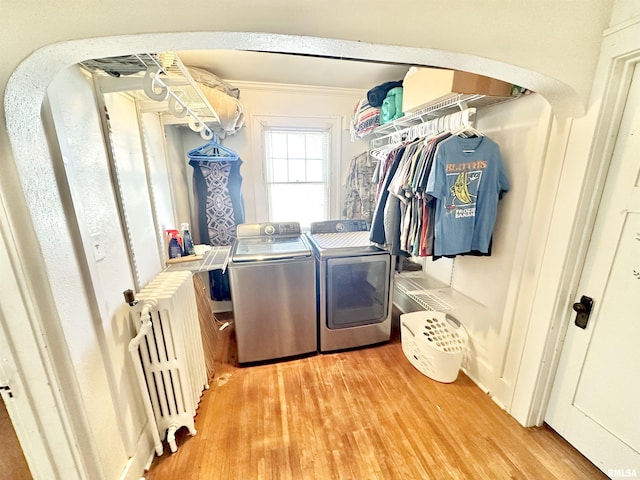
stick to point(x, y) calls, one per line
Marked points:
point(98, 248)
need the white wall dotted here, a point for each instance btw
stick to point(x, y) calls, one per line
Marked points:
point(521, 129)
point(89, 319)
point(179, 177)
point(98, 338)
point(623, 10)
point(130, 180)
point(157, 155)
point(281, 100)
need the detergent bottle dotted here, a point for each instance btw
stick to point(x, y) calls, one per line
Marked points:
point(175, 249)
point(187, 240)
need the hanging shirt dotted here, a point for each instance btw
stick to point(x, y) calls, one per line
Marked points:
point(377, 234)
point(467, 178)
point(360, 199)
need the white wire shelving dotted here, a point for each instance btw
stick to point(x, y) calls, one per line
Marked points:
point(455, 102)
point(161, 83)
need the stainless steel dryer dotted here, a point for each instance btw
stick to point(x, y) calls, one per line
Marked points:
point(354, 285)
point(273, 290)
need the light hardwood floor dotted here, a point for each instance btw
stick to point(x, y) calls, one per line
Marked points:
point(12, 462)
point(361, 414)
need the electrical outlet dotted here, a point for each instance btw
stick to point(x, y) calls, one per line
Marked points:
point(98, 248)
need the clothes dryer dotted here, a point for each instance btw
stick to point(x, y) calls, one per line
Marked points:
point(354, 285)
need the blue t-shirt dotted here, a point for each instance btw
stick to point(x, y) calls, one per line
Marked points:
point(467, 178)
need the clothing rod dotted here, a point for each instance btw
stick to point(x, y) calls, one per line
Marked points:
point(453, 121)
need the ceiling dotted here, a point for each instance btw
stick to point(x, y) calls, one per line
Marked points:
point(251, 66)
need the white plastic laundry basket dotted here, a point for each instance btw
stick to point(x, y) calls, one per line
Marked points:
point(435, 343)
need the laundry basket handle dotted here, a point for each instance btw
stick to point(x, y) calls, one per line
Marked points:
point(454, 322)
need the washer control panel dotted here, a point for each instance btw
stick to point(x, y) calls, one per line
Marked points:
point(268, 229)
point(339, 226)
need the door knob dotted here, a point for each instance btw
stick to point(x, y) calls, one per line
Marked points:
point(583, 309)
point(579, 307)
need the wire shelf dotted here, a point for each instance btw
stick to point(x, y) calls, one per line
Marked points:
point(455, 102)
point(170, 73)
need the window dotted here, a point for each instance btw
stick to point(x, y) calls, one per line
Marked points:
point(296, 170)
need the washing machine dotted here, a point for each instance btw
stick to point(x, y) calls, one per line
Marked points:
point(273, 292)
point(354, 283)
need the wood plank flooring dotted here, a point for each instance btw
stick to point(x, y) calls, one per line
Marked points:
point(362, 414)
point(12, 462)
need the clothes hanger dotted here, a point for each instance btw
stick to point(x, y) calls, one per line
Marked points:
point(212, 152)
point(471, 131)
point(380, 153)
point(467, 131)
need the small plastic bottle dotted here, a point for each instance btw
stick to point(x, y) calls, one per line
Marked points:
point(187, 241)
point(175, 250)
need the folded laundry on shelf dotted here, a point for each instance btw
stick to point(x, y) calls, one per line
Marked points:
point(376, 95)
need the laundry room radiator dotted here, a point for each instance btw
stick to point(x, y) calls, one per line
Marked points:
point(168, 354)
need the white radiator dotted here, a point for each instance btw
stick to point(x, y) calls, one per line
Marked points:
point(168, 354)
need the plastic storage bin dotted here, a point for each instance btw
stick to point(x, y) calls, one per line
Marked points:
point(435, 343)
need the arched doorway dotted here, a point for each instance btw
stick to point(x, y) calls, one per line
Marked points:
point(26, 91)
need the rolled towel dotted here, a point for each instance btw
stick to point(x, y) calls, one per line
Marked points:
point(376, 95)
point(391, 106)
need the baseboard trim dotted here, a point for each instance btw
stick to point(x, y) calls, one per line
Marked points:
point(141, 461)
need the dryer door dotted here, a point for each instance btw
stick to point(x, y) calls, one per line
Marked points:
point(357, 290)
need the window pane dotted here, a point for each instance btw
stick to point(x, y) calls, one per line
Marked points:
point(296, 167)
point(316, 146)
point(279, 171)
point(315, 171)
point(302, 203)
point(297, 171)
point(278, 145)
point(296, 145)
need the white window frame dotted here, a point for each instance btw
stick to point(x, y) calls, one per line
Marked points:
point(332, 124)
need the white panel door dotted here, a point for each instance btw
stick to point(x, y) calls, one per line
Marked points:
point(596, 394)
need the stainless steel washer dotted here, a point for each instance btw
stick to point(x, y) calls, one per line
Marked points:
point(354, 285)
point(273, 290)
